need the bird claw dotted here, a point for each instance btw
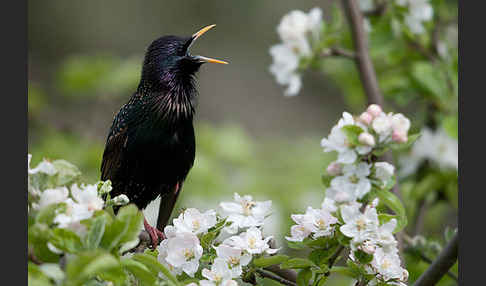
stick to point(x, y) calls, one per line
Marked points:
point(156, 235)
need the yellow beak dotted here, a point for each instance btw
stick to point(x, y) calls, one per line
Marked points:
point(201, 58)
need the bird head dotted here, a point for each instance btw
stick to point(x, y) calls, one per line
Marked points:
point(168, 61)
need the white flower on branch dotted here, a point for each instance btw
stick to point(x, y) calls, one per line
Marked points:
point(387, 264)
point(183, 251)
point(192, 220)
point(298, 31)
point(251, 241)
point(87, 196)
point(354, 180)
point(384, 171)
point(245, 212)
point(219, 274)
point(53, 196)
point(235, 257)
point(419, 11)
point(436, 146)
point(284, 68)
point(338, 141)
point(45, 167)
point(357, 225)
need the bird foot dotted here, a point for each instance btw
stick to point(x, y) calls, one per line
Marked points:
point(156, 235)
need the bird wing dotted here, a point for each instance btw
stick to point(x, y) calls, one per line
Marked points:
point(115, 145)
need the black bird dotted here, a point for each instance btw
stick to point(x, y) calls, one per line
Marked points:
point(151, 146)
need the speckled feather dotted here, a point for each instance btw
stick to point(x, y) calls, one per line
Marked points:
point(150, 148)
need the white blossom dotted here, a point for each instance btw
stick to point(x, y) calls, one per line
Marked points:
point(87, 196)
point(245, 212)
point(436, 146)
point(338, 141)
point(387, 264)
point(192, 220)
point(183, 251)
point(419, 11)
point(53, 196)
point(367, 139)
point(45, 167)
point(357, 225)
point(354, 182)
point(219, 273)
point(334, 169)
point(235, 257)
point(284, 68)
point(384, 171)
point(298, 31)
point(251, 241)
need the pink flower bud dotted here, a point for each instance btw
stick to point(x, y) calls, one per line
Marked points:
point(366, 138)
point(399, 136)
point(334, 169)
point(365, 118)
point(374, 110)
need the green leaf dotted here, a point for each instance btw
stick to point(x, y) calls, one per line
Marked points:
point(296, 263)
point(95, 234)
point(269, 260)
point(394, 203)
point(321, 256)
point(304, 277)
point(296, 244)
point(352, 133)
point(363, 257)
point(35, 276)
point(131, 216)
point(207, 239)
point(38, 237)
point(430, 79)
point(140, 271)
point(89, 264)
point(153, 264)
point(66, 240)
point(326, 180)
point(343, 270)
point(451, 126)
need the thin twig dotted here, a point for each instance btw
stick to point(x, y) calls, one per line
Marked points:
point(340, 52)
point(332, 260)
point(270, 275)
point(441, 265)
point(363, 60)
point(287, 274)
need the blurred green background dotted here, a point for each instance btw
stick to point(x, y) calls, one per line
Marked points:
point(85, 61)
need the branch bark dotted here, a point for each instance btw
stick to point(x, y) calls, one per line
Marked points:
point(270, 275)
point(441, 265)
point(340, 52)
point(363, 60)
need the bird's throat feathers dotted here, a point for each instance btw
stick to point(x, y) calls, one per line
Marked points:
point(172, 95)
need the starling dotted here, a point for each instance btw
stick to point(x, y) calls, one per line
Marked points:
point(151, 146)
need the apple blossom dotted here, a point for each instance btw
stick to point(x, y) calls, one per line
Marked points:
point(251, 241)
point(245, 212)
point(374, 110)
point(192, 220)
point(184, 251)
point(53, 196)
point(354, 180)
point(334, 169)
point(384, 171)
point(357, 225)
point(236, 258)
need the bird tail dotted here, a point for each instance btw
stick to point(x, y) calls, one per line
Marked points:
point(167, 203)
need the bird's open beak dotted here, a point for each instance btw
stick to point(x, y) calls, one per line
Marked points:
point(198, 34)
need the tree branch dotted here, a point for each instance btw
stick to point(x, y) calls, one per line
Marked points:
point(270, 275)
point(287, 274)
point(363, 60)
point(335, 51)
point(441, 265)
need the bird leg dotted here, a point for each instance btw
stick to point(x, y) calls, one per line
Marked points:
point(155, 235)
